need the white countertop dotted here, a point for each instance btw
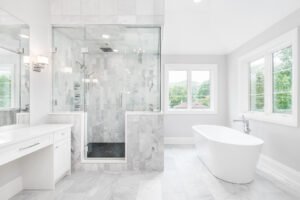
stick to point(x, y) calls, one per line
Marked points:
point(22, 134)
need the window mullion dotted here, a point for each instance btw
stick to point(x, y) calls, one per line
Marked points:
point(189, 89)
point(268, 85)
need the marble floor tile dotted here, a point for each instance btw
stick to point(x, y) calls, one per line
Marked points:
point(185, 178)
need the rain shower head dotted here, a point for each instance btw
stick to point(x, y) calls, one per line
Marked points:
point(106, 49)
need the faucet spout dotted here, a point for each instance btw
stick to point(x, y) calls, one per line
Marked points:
point(245, 122)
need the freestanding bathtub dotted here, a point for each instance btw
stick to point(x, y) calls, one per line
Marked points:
point(228, 154)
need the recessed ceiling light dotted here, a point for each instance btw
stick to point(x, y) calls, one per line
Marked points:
point(24, 36)
point(198, 1)
point(105, 36)
point(116, 50)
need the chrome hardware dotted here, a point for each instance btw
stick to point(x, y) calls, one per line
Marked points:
point(245, 122)
point(23, 148)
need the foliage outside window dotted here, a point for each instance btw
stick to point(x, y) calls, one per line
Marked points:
point(5, 89)
point(200, 89)
point(178, 89)
point(282, 81)
point(189, 88)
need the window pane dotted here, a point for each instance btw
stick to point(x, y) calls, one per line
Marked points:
point(200, 89)
point(5, 88)
point(178, 89)
point(282, 81)
point(257, 90)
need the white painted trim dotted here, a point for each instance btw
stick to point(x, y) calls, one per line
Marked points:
point(179, 140)
point(144, 113)
point(278, 172)
point(12, 188)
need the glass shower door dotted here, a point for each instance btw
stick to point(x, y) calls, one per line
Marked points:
point(122, 73)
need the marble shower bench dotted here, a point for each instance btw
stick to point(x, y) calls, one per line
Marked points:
point(144, 139)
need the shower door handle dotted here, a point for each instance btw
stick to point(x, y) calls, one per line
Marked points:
point(121, 100)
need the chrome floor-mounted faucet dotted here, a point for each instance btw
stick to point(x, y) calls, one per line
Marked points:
point(245, 124)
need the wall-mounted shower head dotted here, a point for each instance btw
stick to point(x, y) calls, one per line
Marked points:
point(106, 48)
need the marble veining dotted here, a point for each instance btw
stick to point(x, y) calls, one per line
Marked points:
point(144, 142)
point(184, 178)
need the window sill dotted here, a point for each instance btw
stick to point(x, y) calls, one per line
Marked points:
point(190, 112)
point(281, 119)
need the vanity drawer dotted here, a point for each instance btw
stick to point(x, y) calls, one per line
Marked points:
point(18, 150)
point(62, 134)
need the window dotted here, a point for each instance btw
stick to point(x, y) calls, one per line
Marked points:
point(178, 89)
point(257, 87)
point(190, 88)
point(6, 87)
point(271, 92)
point(282, 80)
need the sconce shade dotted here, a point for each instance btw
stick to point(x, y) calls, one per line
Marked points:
point(42, 60)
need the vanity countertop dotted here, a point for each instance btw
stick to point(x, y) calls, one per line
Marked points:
point(25, 133)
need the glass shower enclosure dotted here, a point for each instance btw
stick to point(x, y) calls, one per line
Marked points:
point(105, 71)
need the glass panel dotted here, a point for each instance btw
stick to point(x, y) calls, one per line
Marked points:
point(106, 70)
point(201, 90)
point(178, 90)
point(282, 81)
point(256, 96)
point(68, 66)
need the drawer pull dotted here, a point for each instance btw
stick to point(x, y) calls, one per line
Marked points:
point(21, 149)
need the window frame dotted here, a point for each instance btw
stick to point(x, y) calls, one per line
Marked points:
point(266, 51)
point(212, 68)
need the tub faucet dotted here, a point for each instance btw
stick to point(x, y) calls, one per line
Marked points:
point(245, 124)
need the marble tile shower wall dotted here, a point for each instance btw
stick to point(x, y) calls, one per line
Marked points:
point(125, 83)
point(107, 11)
point(145, 150)
point(64, 59)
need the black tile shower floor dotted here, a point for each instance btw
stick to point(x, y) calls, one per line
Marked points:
point(106, 150)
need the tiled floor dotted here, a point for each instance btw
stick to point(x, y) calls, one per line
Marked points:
point(184, 178)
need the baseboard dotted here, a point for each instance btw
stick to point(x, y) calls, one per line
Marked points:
point(11, 189)
point(179, 140)
point(285, 176)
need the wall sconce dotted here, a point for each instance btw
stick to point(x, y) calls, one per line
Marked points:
point(38, 62)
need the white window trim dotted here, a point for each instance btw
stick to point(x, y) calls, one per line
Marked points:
point(266, 51)
point(213, 68)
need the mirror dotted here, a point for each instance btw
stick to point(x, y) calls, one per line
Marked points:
point(14, 72)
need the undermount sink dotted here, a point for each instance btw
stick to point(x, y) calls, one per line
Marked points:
point(3, 140)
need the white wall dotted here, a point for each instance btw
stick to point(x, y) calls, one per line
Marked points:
point(36, 13)
point(180, 125)
point(281, 142)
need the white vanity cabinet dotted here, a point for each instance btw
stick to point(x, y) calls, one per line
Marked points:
point(62, 153)
point(42, 153)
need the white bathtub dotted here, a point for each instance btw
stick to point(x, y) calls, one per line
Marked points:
point(228, 154)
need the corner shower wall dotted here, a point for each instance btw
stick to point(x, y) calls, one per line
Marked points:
point(106, 84)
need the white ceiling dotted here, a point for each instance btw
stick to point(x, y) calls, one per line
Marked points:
point(219, 26)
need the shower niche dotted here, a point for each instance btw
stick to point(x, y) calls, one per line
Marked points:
point(106, 71)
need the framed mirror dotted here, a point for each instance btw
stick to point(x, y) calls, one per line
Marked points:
point(14, 72)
